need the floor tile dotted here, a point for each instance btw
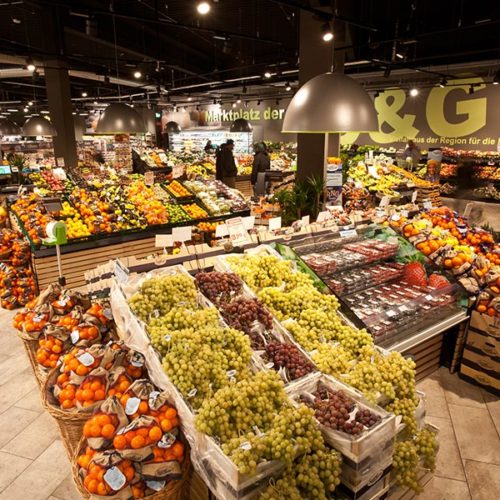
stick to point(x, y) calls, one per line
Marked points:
point(35, 438)
point(459, 392)
point(484, 480)
point(3, 357)
point(12, 367)
point(440, 488)
point(67, 489)
point(449, 462)
point(12, 392)
point(10, 467)
point(435, 398)
point(13, 421)
point(476, 434)
point(32, 401)
point(493, 405)
point(40, 479)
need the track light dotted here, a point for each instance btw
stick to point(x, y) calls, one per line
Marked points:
point(267, 74)
point(277, 102)
point(496, 78)
point(84, 94)
point(244, 90)
point(377, 93)
point(387, 72)
point(30, 65)
point(238, 100)
point(214, 101)
point(471, 89)
point(288, 87)
point(203, 8)
point(400, 55)
point(259, 102)
point(327, 32)
point(190, 98)
point(443, 82)
point(234, 104)
point(414, 92)
point(26, 110)
point(137, 74)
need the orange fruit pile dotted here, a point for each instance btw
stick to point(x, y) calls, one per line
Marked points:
point(119, 387)
point(49, 351)
point(101, 425)
point(138, 438)
point(175, 452)
point(34, 322)
point(95, 483)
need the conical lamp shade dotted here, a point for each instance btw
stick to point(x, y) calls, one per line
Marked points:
point(240, 125)
point(79, 122)
point(38, 125)
point(172, 128)
point(331, 102)
point(8, 127)
point(119, 118)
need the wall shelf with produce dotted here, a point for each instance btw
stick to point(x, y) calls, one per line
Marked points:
point(196, 139)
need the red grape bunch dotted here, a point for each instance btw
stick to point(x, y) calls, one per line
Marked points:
point(218, 287)
point(289, 357)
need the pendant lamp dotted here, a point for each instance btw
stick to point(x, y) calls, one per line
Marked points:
point(79, 122)
point(38, 125)
point(119, 118)
point(331, 102)
point(240, 125)
point(172, 128)
point(8, 127)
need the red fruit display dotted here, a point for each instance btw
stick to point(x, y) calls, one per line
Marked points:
point(438, 281)
point(414, 273)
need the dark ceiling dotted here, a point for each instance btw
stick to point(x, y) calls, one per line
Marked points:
point(174, 47)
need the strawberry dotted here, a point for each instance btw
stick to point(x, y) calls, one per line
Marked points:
point(414, 273)
point(438, 281)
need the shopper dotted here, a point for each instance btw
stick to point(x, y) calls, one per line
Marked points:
point(412, 151)
point(228, 168)
point(208, 147)
point(261, 163)
point(218, 162)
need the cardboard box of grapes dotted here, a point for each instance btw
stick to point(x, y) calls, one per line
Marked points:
point(348, 421)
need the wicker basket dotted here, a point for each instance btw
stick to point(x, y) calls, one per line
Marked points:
point(31, 347)
point(175, 490)
point(70, 422)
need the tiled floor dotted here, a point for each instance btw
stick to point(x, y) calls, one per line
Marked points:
point(34, 466)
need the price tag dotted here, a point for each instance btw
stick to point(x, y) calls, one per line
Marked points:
point(115, 478)
point(153, 396)
point(167, 440)
point(395, 217)
point(121, 272)
point(163, 240)
point(149, 178)
point(192, 393)
point(391, 313)
point(305, 220)
point(404, 213)
point(274, 223)
point(75, 336)
point(384, 201)
point(86, 359)
point(246, 446)
point(414, 196)
point(182, 233)
point(348, 233)
point(237, 232)
point(221, 231)
point(323, 216)
point(249, 222)
point(231, 373)
point(156, 485)
point(270, 365)
point(132, 406)
point(427, 205)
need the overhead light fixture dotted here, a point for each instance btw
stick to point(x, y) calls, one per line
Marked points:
point(172, 128)
point(238, 100)
point(414, 92)
point(12, 110)
point(203, 8)
point(8, 127)
point(331, 102)
point(234, 104)
point(190, 98)
point(327, 32)
point(30, 65)
point(267, 74)
point(496, 78)
point(400, 55)
point(277, 102)
point(38, 125)
point(259, 102)
point(45, 112)
point(288, 87)
point(137, 74)
point(79, 124)
point(244, 90)
point(30, 103)
point(26, 109)
point(214, 101)
point(443, 83)
point(471, 89)
point(84, 94)
point(119, 118)
point(240, 125)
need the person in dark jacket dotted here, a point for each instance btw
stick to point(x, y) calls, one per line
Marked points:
point(228, 169)
point(261, 161)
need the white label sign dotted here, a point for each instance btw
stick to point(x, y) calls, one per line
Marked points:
point(163, 240)
point(182, 233)
point(237, 232)
point(414, 196)
point(305, 220)
point(149, 178)
point(385, 201)
point(121, 272)
point(249, 222)
point(221, 231)
point(274, 223)
point(323, 216)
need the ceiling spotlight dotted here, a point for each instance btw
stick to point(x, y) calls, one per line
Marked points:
point(190, 98)
point(471, 89)
point(203, 8)
point(496, 78)
point(30, 103)
point(84, 94)
point(238, 100)
point(400, 55)
point(26, 110)
point(288, 87)
point(327, 32)
point(414, 92)
point(137, 74)
point(443, 83)
point(267, 74)
point(30, 65)
point(234, 104)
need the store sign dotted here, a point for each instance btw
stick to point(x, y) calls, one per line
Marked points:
point(437, 117)
point(250, 114)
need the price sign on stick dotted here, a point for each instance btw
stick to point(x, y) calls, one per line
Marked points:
point(324, 216)
point(274, 223)
point(163, 240)
point(182, 233)
point(237, 232)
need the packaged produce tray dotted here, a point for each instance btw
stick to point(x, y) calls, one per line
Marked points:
point(354, 447)
point(187, 197)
